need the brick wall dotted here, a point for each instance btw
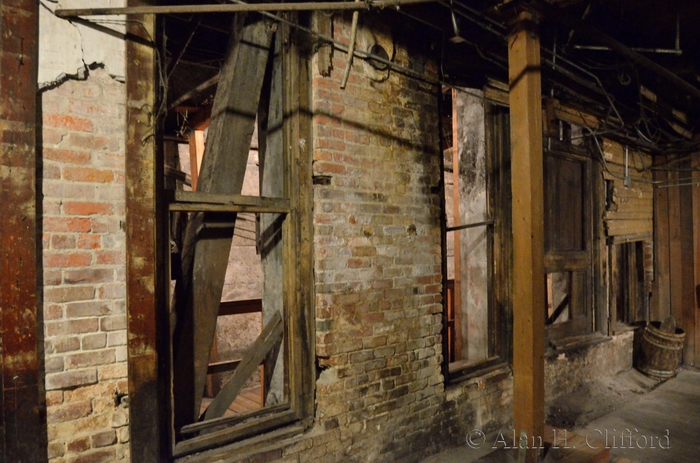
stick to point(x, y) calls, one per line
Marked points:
point(380, 394)
point(83, 261)
point(377, 261)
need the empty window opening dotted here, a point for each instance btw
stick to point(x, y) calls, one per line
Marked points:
point(474, 314)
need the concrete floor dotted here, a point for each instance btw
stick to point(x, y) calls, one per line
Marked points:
point(659, 425)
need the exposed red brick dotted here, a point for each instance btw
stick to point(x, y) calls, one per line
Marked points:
point(88, 275)
point(66, 156)
point(89, 241)
point(87, 174)
point(63, 241)
point(69, 294)
point(63, 121)
point(89, 359)
point(78, 445)
point(87, 208)
point(69, 411)
point(64, 224)
point(73, 259)
point(103, 439)
point(85, 325)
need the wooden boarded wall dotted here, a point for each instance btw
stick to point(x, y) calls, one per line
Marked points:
point(630, 209)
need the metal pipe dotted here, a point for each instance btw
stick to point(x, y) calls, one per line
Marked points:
point(670, 51)
point(470, 225)
point(234, 8)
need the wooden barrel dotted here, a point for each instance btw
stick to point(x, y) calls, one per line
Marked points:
point(660, 352)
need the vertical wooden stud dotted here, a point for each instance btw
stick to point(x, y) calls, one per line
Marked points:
point(528, 229)
point(144, 245)
point(23, 419)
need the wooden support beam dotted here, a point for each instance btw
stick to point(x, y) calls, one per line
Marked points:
point(145, 252)
point(528, 229)
point(22, 404)
point(298, 134)
point(695, 163)
point(661, 293)
point(687, 264)
point(205, 254)
point(273, 185)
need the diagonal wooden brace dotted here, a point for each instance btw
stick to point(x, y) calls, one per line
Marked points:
point(266, 342)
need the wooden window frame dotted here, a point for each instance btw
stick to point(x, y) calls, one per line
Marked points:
point(148, 288)
point(499, 253)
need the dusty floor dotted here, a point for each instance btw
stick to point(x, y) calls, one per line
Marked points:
point(644, 421)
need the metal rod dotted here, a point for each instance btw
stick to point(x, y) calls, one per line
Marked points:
point(470, 225)
point(642, 50)
point(233, 8)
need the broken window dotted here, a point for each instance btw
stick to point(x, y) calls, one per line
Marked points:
point(474, 309)
point(238, 205)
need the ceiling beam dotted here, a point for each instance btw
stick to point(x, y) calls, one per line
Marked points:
point(235, 8)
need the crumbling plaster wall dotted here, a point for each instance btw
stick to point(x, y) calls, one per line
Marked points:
point(68, 49)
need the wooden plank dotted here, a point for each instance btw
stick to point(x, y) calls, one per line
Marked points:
point(240, 307)
point(253, 427)
point(145, 253)
point(22, 402)
point(675, 249)
point(628, 227)
point(687, 320)
point(229, 420)
point(661, 298)
point(272, 184)
point(695, 163)
point(614, 153)
point(629, 215)
point(567, 261)
point(528, 228)
point(222, 367)
point(280, 208)
point(205, 255)
point(196, 142)
point(182, 196)
point(324, 26)
point(255, 354)
point(300, 295)
point(575, 116)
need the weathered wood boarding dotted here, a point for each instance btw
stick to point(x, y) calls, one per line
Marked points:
point(206, 249)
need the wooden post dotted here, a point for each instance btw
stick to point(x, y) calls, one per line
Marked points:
point(528, 230)
point(144, 245)
point(22, 416)
point(695, 163)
